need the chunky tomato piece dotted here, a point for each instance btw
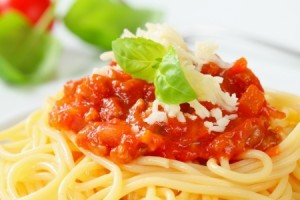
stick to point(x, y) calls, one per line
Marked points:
point(252, 133)
point(251, 102)
point(111, 108)
point(130, 91)
point(211, 68)
point(94, 89)
point(238, 78)
point(108, 135)
point(69, 115)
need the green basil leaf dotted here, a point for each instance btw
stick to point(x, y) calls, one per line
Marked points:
point(171, 85)
point(99, 22)
point(138, 56)
point(27, 55)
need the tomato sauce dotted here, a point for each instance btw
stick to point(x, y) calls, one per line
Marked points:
point(107, 115)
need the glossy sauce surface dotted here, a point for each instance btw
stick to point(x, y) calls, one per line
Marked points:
point(107, 115)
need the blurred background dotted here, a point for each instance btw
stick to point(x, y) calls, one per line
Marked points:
point(265, 32)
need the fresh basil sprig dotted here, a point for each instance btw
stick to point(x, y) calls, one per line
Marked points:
point(150, 61)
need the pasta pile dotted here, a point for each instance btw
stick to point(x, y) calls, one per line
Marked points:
point(38, 162)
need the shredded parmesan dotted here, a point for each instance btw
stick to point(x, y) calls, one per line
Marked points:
point(104, 71)
point(216, 113)
point(205, 52)
point(191, 117)
point(221, 121)
point(156, 115)
point(170, 111)
point(180, 117)
point(135, 128)
point(208, 88)
point(162, 34)
point(200, 110)
point(173, 111)
point(107, 56)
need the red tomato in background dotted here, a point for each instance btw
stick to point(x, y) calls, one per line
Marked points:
point(32, 9)
point(3, 6)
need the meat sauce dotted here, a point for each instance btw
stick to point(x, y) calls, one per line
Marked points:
point(107, 115)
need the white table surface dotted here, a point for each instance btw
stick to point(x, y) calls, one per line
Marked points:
point(238, 26)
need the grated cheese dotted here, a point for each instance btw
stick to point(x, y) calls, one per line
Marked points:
point(191, 117)
point(156, 115)
point(221, 121)
point(200, 110)
point(162, 34)
point(107, 56)
point(104, 71)
point(173, 111)
point(135, 128)
point(205, 52)
point(216, 113)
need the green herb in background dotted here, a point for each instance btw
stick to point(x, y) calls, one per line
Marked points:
point(99, 22)
point(27, 55)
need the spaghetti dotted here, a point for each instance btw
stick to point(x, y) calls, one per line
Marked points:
point(39, 162)
point(96, 140)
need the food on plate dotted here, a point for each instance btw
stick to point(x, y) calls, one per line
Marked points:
point(158, 122)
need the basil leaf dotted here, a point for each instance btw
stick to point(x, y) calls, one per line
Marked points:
point(26, 55)
point(138, 56)
point(99, 22)
point(171, 86)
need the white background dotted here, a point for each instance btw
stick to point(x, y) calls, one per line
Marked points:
point(238, 26)
point(274, 20)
